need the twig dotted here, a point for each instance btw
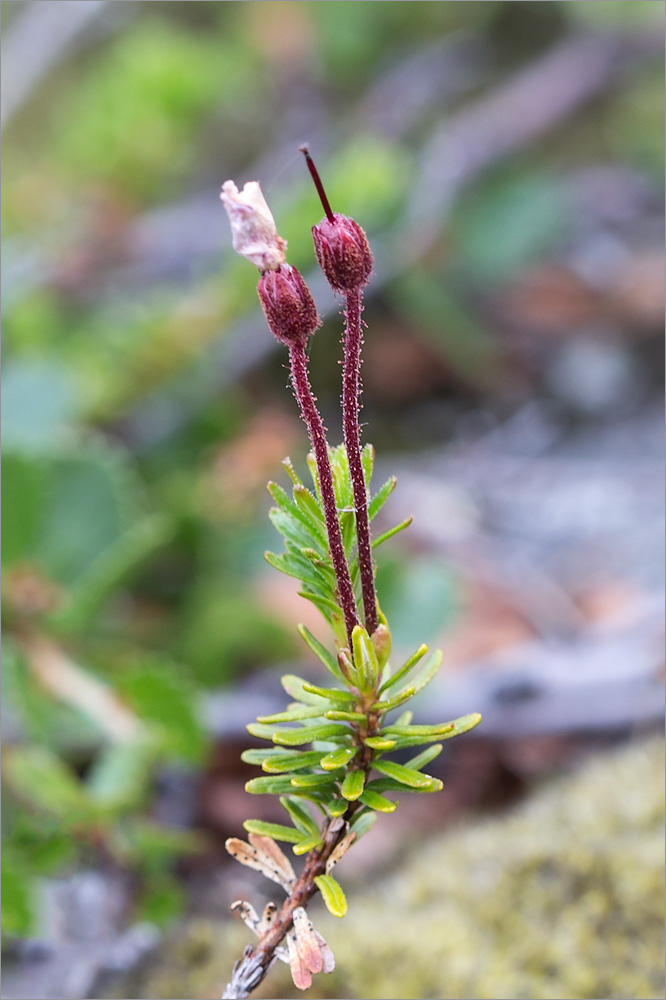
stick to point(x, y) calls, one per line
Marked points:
point(250, 970)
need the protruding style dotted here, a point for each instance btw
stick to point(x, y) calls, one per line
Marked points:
point(342, 248)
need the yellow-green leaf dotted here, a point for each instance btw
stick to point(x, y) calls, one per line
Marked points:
point(309, 844)
point(352, 786)
point(377, 802)
point(338, 758)
point(274, 830)
point(332, 894)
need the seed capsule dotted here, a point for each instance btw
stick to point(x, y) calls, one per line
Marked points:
point(343, 253)
point(288, 305)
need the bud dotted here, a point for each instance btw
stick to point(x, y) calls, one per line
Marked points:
point(381, 640)
point(253, 231)
point(343, 252)
point(288, 305)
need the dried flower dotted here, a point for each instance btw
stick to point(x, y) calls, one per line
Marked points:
point(290, 310)
point(253, 230)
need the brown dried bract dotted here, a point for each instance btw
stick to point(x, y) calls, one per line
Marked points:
point(270, 861)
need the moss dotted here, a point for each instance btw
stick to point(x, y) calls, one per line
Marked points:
point(562, 897)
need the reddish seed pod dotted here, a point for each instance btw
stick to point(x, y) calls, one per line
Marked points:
point(288, 305)
point(343, 252)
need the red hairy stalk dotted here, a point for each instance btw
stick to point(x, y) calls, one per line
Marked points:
point(351, 431)
point(345, 258)
point(306, 400)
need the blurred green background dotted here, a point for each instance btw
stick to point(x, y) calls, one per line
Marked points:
point(506, 160)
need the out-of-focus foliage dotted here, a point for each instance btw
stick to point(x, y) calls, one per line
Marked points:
point(139, 425)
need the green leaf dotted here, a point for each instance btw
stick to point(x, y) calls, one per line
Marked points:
point(119, 778)
point(258, 755)
point(421, 759)
point(327, 607)
point(332, 894)
point(300, 569)
point(17, 903)
point(346, 716)
point(382, 707)
point(381, 497)
point(91, 504)
point(298, 689)
point(439, 730)
point(377, 802)
point(404, 742)
point(348, 531)
point(405, 668)
point(338, 758)
point(391, 785)
point(428, 672)
point(160, 693)
point(323, 565)
point(110, 568)
point(318, 648)
point(463, 725)
point(380, 539)
point(24, 496)
point(337, 807)
point(331, 694)
point(268, 785)
point(294, 714)
point(154, 846)
point(310, 844)
point(294, 532)
point(368, 461)
point(274, 830)
point(379, 743)
point(312, 523)
point(40, 778)
point(309, 507)
point(298, 737)
point(365, 658)
point(300, 815)
point(163, 899)
point(288, 465)
point(352, 786)
point(39, 401)
point(362, 822)
point(293, 761)
point(313, 781)
point(405, 775)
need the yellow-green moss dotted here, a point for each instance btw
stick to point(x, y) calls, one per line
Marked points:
point(562, 897)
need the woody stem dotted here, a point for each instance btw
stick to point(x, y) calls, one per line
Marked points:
point(306, 400)
point(351, 431)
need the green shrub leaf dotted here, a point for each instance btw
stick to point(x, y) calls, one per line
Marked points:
point(338, 758)
point(332, 894)
point(274, 830)
point(378, 802)
point(352, 786)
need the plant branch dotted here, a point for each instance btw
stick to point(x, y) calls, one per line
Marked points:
point(306, 400)
point(350, 411)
